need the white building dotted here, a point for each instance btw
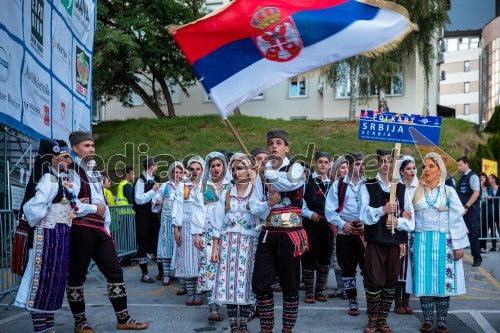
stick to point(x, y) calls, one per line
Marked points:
point(302, 97)
point(459, 74)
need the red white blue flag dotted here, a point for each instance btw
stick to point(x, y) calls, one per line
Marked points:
point(249, 46)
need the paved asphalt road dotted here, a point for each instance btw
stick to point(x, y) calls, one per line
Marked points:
point(478, 311)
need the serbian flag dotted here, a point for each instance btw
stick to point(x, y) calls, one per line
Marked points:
point(248, 46)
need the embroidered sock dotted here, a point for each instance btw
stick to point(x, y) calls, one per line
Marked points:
point(182, 283)
point(117, 295)
point(265, 307)
point(122, 316)
point(427, 305)
point(49, 320)
point(39, 321)
point(214, 308)
point(373, 305)
point(143, 264)
point(166, 262)
point(232, 313)
point(442, 306)
point(308, 281)
point(349, 284)
point(244, 315)
point(386, 299)
point(290, 310)
point(338, 278)
point(160, 269)
point(321, 277)
point(76, 303)
point(191, 287)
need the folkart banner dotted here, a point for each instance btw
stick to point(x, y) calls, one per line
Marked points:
point(45, 66)
point(251, 45)
point(489, 167)
point(396, 127)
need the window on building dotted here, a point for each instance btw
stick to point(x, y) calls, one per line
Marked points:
point(297, 87)
point(463, 43)
point(474, 42)
point(466, 66)
point(443, 75)
point(466, 108)
point(451, 44)
point(466, 87)
point(343, 84)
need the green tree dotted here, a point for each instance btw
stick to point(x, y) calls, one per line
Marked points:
point(493, 125)
point(133, 52)
point(482, 151)
point(429, 16)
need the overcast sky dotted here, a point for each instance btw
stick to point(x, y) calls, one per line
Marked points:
point(470, 14)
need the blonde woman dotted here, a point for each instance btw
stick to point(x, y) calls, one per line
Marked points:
point(440, 234)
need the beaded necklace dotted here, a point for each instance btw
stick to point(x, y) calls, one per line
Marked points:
point(431, 202)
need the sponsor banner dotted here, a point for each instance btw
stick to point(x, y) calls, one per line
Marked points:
point(489, 167)
point(37, 94)
point(395, 127)
point(81, 116)
point(62, 47)
point(10, 16)
point(81, 73)
point(11, 56)
point(80, 16)
point(62, 112)
point(37, 29)
point(45, 65)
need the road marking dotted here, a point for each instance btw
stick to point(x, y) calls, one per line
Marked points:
point(486, 274)
point(19, 315)
point(485, 325)
point(483, 290)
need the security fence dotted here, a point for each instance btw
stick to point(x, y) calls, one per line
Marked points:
point(123, 229)
point(9, 282)
point(490, 218)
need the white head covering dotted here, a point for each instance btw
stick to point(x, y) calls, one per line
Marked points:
point(196, 159)
point(401, 161)
point(208, 159)
point(338, 162)
point(439, 162)
point(172, 167)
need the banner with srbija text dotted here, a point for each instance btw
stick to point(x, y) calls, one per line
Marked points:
point(45, 66)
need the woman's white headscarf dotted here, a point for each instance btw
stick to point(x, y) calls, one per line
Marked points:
point(401, 161)
point(171, 169)
point(208, 159)
point(438, 160)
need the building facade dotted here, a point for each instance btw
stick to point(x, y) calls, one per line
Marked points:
point(490, 71)
point(459, 73)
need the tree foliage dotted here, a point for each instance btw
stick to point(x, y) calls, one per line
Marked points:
point(493, 125)
point(133, 52)
point(429, 16)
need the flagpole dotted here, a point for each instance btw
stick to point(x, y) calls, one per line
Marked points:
point(394, 181)
point(236, 135)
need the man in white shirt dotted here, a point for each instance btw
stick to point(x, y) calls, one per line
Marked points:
point(342, 210)
point(90, 239)
point(282, 240)
point(384, 249)
point(147, 223)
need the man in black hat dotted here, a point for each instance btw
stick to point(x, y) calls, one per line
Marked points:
point(90, 239)
point(319, 233)
point(384, 249)
point(282, 241)
point(342, 210)
point(147, 223)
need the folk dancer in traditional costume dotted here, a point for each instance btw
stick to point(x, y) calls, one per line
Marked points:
point(440, 237)
point(339, 170)
point(384, 250)
point(319, 233)
point(342, 209)
point(90, 239)
point(163, 202)
point(283, 239)
point(48, 208)
point(234, 245)
point(407, 176)
point(147, 222)
point(189, 210)
point(214, 186)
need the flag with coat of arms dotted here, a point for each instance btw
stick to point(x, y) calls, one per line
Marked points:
point(248, 46)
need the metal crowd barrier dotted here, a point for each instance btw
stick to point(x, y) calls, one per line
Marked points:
point(490, 218)
point(123, 229)
point(9, 282)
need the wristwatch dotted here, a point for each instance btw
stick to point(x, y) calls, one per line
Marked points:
point(466, 207)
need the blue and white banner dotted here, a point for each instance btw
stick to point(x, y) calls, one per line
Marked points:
point(395, 127)
point(45, 66)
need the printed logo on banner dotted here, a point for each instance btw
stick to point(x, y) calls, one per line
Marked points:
point(37, 8)
point(4, 64)
point(82, 72)
point(63, 110)
point(46, 115)
point(60, 51)
point(68, 5)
